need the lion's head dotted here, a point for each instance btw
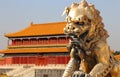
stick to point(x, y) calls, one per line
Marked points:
point(84, 18)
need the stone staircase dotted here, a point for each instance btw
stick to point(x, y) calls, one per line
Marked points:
point(33, 71)
point(24, 71)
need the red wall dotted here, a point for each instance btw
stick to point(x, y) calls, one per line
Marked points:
point(2, 61)
point(38, 60)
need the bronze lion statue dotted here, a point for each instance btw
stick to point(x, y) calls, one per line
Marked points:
point(89, 51)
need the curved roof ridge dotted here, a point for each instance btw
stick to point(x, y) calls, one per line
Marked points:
point(39, 29)
point(50, 23)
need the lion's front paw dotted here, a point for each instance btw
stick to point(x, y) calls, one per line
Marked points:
point(78, 74)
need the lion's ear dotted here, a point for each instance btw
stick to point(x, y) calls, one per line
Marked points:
point(67, 10)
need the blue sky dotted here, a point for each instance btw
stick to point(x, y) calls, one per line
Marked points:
point(17, 14)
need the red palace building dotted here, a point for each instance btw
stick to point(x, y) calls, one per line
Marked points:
point(38, 44)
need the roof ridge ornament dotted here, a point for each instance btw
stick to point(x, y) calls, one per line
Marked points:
point(31, 23)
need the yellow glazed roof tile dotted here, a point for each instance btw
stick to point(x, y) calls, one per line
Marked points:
point(40, 29)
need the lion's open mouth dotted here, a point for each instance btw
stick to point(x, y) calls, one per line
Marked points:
point(77, 29)
point(74, 35)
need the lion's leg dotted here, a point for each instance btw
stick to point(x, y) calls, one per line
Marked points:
point(71, 66)
point(103, 58)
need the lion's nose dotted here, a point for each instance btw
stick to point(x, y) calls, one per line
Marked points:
point(69, 29)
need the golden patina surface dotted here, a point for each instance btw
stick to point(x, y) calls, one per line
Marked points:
point(90, 53)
